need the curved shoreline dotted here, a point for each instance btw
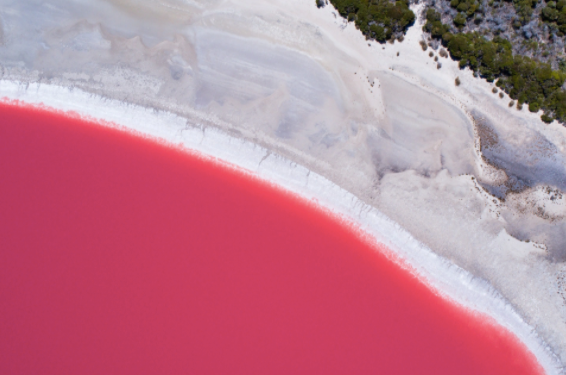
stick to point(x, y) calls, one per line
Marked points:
point(449, 280)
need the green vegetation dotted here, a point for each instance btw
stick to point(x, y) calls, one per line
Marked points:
point(460, 20)
point(377, 19)
point(434, 25)
point(467, 9)
point(555, 14)
point(524, 79)
point(524, 9)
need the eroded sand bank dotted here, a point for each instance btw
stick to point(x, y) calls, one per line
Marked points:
point(292, 92)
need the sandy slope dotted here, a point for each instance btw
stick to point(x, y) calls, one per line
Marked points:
point(290, 83)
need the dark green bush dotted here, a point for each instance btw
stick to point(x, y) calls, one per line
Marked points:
point(555, 14)
point(524, 9)
point(460, 20)
point(377, 19)
point(534, 106)
point(433, 25)
point(546, 118)
point(467, 7)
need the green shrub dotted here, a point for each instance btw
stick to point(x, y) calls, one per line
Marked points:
point(524, 9)
point(460, 20)
point(469, 7)
point(554, 14)
point(377, 19)
point(433, 25)
point(546, 118)
point(534, 106)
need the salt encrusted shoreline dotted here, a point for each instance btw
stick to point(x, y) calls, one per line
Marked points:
point(448, 279)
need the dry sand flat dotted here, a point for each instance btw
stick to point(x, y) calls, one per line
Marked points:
point(316, 99)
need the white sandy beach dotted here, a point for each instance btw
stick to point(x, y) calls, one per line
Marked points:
point(294, 95)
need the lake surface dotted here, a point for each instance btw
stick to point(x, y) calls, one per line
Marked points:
point(119, 255)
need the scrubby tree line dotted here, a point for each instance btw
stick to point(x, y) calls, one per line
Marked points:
point(526, 80)
point(377, 19)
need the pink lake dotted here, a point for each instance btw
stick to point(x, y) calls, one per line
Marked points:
point(122, 256)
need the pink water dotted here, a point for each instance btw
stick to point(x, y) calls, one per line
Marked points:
point(123, 256)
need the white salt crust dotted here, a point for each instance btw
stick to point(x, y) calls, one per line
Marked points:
point(441, 275)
